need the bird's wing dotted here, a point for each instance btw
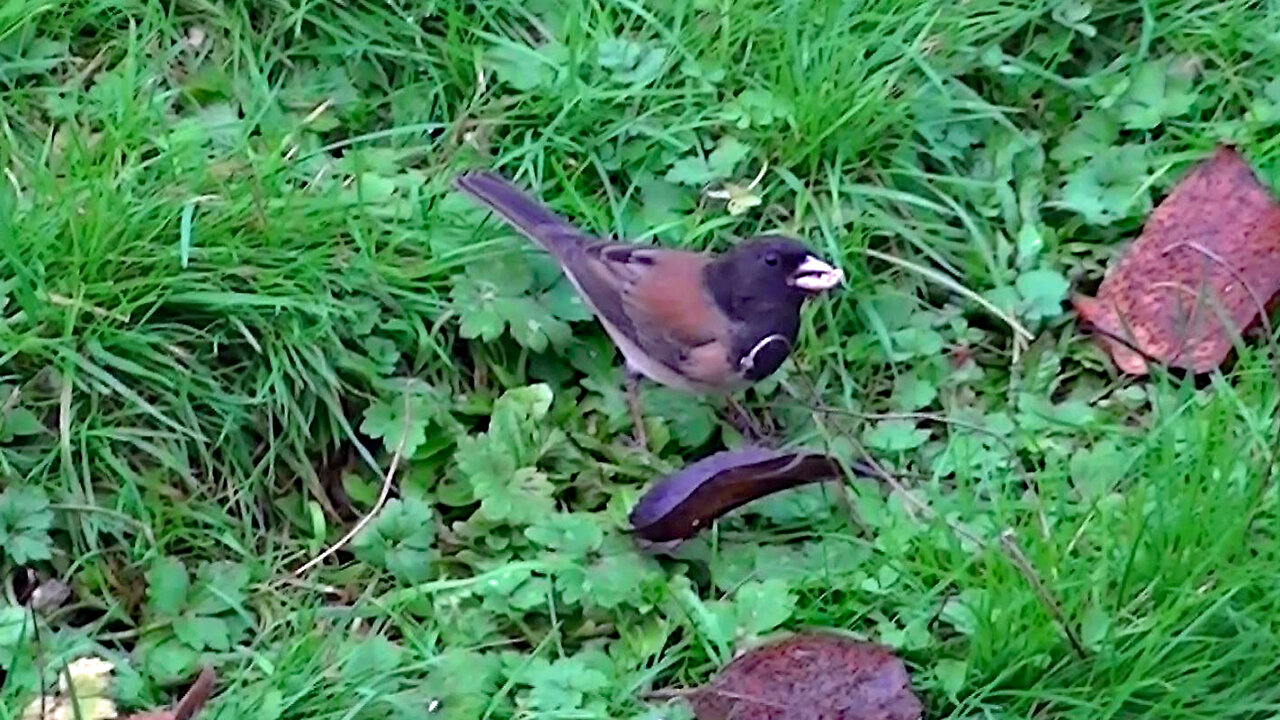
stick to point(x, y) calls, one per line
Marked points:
point(658, 299)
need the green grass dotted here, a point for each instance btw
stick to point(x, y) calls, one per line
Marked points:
point(232, 277)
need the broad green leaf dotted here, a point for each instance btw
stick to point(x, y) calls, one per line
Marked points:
point(951, 675)
point(1110, 186)
point(370, 657)
point(763, 606)
point(812, 502)
point(475, 302)
point(167, 586)
point(518, 499)
point(220, 587)
point(169, 661)
point(915, 342)
point(1158, 90)
point(383, 353)
point(461, 682)
point(728, 153)
point(691, 419)
point(478, 459)
point(563, 301)
point(576, 533)
point(1094, 627)
point(487, 308)
point(1036, 412)
point(1030, 243)
point(631, 63)
point(959, 613)
point(14, 628)
point(1265, 109)
point(25, 506)
point(401, 539)
point(702, 69)
point(756, 107)
point(25, 521)
point(620, 579)
point(895, 435)
point(409, 564)
point(698, 171)
point(1072, 14)
point(560, 685)
point(202, 631)
point(526, 68)
point(26, 547)
point(911, 392)
point(662, 202)
point(1043, 292)
point(1095, 469)
point(19, 422)
point(531, 323)
point(401, 423)
point(1092, 135)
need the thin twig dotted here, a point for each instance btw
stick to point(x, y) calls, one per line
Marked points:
point(1019, 559)
point(1007, 540)
point(942, 279)
point(377, 506)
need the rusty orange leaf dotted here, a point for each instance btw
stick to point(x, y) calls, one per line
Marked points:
point(1200, 274)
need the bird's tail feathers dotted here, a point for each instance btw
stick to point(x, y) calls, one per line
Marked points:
point(532, 218)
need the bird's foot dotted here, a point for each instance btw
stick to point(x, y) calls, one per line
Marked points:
point(745, 423)
point(639, 438)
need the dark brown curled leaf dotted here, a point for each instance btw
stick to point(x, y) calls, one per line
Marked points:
point(811, 676)
point(679, 505)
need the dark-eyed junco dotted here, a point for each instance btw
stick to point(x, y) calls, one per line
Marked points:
point(693, 321)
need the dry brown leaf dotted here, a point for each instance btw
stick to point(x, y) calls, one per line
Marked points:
point(814, 676)
point(84, 690)
point(681, 504)
point(189, 705)
point(1210, 252)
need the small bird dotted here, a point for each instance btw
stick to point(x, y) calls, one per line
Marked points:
point(693, 321)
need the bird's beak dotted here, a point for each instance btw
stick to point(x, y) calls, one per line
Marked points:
point(816, 276)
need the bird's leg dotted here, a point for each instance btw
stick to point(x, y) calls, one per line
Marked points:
point(746, 425)
point(637, 415)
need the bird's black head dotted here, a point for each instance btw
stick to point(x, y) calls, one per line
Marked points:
point(769, 271)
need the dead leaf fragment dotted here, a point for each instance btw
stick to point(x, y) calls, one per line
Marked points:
point(84, 691)
point(189, 705)
point(681, 504)
point(1209, 253)
point(813, 676)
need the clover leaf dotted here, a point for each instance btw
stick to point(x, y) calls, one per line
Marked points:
point(25, 520)
point(1157, 92)
point(631, 63)
point(719, 164)
point(401, 540)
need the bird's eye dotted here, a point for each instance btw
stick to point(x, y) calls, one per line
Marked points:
point(771, 258)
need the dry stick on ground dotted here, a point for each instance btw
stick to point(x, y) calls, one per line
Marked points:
point(1014, 551)
point(377, 506)
point(1007, 541)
